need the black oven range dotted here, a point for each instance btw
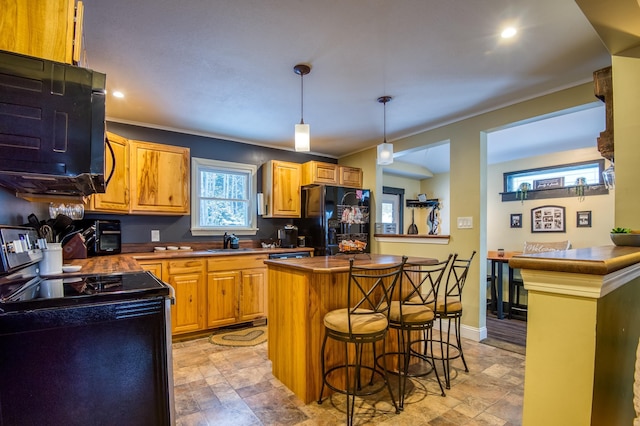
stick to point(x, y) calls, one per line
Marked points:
point(64, 340)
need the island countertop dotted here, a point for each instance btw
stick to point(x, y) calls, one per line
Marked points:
point(340, 263)
point(301, 292)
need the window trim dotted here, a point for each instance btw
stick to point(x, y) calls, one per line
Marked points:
point(251, 169)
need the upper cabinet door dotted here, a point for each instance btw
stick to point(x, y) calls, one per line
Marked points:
point(281, 188)
point(45, 29)
point(116, 197)
point(159, 178)
point(351, 177)
point(320, 173)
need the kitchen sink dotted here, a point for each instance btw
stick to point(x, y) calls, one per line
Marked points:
point(228, 250)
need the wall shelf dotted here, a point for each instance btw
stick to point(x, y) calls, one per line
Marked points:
point(541, 194)
point(422, 204)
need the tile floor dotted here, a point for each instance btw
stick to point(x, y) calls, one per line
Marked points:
point(217, 385)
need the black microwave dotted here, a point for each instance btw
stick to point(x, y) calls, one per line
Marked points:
point(53, 127)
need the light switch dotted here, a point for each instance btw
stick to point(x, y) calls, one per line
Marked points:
point(465, 222)
point(155, 235)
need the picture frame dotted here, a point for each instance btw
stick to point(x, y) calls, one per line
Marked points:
point(583, 219)
point(516, 220)
point(548, 219)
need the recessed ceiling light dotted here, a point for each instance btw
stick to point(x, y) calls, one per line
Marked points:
point(118, 94)
point(508, 32)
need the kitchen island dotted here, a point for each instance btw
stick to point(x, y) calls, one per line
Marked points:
point(301, 292)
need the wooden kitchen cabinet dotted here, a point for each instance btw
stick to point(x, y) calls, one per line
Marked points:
point(281, 188)
point(50, 29)
point(149, 178)
point(320, 173)
point(187, 277)
point(350, 177)
point(222, 298)
point(154, 267)
point(159, 178)
point(236, 289)
point(116, 197)
point(253, 292)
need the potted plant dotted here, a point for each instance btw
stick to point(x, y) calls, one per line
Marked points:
point(581, 185)
point(522, 191)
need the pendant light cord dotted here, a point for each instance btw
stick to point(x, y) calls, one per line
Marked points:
point(384, 125)
point(301, 98)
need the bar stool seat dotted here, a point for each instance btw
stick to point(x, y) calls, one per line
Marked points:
point(338, 320)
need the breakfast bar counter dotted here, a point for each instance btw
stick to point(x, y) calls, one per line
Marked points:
point(301, 292)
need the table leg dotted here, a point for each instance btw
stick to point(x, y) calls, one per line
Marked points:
point(494, 296)
point(499, 299)
point(511, 291)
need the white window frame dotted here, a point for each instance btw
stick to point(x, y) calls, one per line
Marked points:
point(198, 164)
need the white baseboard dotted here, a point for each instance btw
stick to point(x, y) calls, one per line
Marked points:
point(468, 332)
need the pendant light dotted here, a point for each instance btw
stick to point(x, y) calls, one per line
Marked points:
point(385, 150)
point(609, 177)
point(302, 143)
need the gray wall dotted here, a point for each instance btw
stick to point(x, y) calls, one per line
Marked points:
point(137, 228)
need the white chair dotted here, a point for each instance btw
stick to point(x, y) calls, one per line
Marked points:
point(516, 285)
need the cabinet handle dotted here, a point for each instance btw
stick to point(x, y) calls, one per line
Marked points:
point(190, 300)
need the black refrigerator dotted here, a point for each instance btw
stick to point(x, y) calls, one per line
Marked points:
point(335, 219)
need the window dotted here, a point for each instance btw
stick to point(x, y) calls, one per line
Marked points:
point(391, 207)
point(551, 182)
point(223, 197)
point(592, 171)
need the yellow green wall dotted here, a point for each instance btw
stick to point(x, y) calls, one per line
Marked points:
point(626, 124)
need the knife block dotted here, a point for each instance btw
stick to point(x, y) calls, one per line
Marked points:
point(74, 248)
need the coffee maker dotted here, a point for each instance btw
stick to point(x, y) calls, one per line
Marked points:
point(288, 236)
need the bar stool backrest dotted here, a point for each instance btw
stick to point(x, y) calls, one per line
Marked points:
point(371, 289)
point(420, 282)
point(456, 279)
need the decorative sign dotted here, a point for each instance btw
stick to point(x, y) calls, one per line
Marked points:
point(557, 182)
point(548, 219)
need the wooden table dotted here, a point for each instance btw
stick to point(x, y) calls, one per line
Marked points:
point(497, 261)
point(301, 292)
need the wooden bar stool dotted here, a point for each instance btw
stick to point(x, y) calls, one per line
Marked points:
point(364, 322)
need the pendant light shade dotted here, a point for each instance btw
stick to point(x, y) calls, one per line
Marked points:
point(385, 150)
point(385, 154)
point(302, 138)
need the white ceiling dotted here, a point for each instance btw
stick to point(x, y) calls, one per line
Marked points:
point(224, 68)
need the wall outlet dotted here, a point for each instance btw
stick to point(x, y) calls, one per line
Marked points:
point(465, 222)
point(155, 235)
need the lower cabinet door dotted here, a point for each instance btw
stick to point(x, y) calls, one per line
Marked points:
point(186, 314)
point(222, 298)
point(253, 294)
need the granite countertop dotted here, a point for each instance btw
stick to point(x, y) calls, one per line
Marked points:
point(340, 263)
point(600, 260)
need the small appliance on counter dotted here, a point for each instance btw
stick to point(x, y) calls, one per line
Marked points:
point(288, 236)
point(101, 236)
